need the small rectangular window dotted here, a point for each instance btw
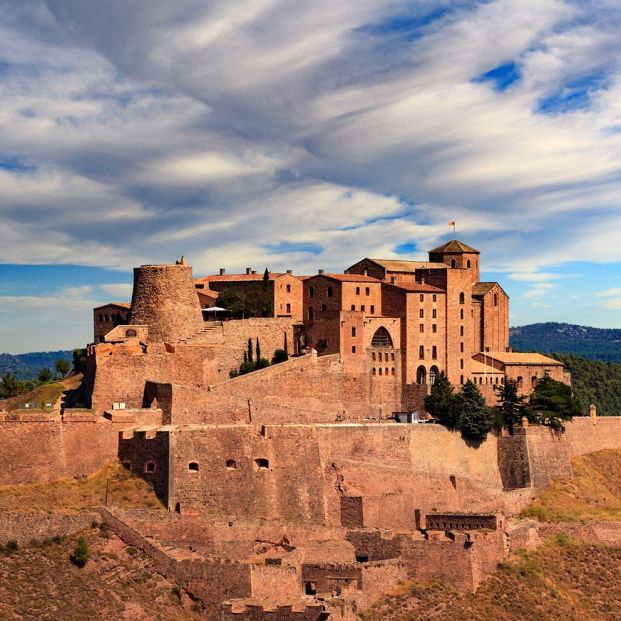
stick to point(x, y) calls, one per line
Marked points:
point(422, 297)
point(288, 289)
point(324, 307)
point(434, 352)
point(362, 308)
point(421, 313)
point(288, 308)
point(311, 291)
point(353, 349)
point(461, 331)
point(372, 309)
point(421, 327)
point(353, 331)
point(434, 328)
point(461, 363)
point(461, 348)
point(421, 352)
point(367, 291)
point(434, 298)
point(357, 290)
point(353, 307)
point(329, 292)
point(434, 313)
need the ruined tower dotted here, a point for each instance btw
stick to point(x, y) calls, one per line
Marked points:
point(164, 298)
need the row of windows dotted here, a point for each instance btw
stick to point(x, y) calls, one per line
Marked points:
point(434, 313)
point(362, 308)
point(434, 352)
point(378, 356)
point(434, 328)
point(150, 467)
point(385, 371)
point(434, 297)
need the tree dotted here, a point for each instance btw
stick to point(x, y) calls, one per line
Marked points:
point(443, 403)
point(79, 360)
point(63, 367)
point(249, 356)
point(258, 350)
point(251, 300)
point(280, 355)
point(476, 419)
point(45, 375)
point(553, 403)
point(81, 554)
point(512, 406)
point(11, 387)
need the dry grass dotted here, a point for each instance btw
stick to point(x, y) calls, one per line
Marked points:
point(593, 493)
point(39, 582)
point(564, 580)
point(124, 490)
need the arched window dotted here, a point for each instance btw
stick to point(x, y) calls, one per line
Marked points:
point(533, 381)
point(468, 263)
point(261, 464)
point(374, 371)
point(421, 375)
point(149, 467)
point(231, 464)
point(381, 338)
point(453, 263)
point(520, 381)
point(193, 466)
point(380, 370)
point(433, 374)
point(462, 298)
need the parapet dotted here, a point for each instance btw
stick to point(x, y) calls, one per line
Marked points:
point(164, 299)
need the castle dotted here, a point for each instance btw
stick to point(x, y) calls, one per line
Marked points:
point(292, 491)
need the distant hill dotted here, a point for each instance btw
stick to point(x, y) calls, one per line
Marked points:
point(565, 338)
point(27, 366)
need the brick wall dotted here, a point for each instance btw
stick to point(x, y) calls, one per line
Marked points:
point(26, 527)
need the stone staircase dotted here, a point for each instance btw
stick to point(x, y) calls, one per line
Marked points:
point(205, 335)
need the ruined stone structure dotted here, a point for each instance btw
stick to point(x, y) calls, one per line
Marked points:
point(292, 492)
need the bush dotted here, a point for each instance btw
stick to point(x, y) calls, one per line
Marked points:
point(262, 363)
point(280, 355)
point(81, 554)
point(10, 548)
point(246, 367)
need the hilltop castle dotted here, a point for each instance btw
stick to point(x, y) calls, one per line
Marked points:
point(292, 492)
point(392, 326)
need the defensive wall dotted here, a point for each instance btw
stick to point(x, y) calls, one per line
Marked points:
point(304, 472)
point(40, 447)
point(25, 527)
point(534, 455)
point(119, 372)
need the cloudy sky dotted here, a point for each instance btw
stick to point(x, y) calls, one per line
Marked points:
point(305, 134)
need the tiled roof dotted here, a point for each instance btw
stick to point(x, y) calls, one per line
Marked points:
point(236, 277)
point(394, 265)
point(119, 304)
point(415, 287)
point(481, 288)
point(349, 277)
point(479, 367)
point(520, 358)
point(454, 246)
point(208, 293)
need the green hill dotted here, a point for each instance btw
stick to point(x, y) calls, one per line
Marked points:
point(592, 343)
point(27, 366)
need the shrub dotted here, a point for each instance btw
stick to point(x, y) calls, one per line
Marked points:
point(81, 554)
point(280, 355)
point(262, 363)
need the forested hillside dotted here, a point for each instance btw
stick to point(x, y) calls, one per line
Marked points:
point(593, 343)
point(595, 382)
point(27, 366)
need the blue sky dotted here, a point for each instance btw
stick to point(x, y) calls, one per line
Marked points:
point(305, 135)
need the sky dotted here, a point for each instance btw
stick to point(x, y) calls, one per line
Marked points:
point(305, 134)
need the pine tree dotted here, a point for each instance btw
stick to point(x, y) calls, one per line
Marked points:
point(443, 403)
point(476, 420)
point(249, 354)
point(258, 350)
point(553, 403)
point(81, 554)
point(512, 406)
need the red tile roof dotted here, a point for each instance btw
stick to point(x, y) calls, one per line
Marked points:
point(348, 277)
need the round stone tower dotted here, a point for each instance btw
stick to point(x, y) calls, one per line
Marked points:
point(165, 299)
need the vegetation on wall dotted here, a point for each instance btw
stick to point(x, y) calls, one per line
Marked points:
point(594, 382)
